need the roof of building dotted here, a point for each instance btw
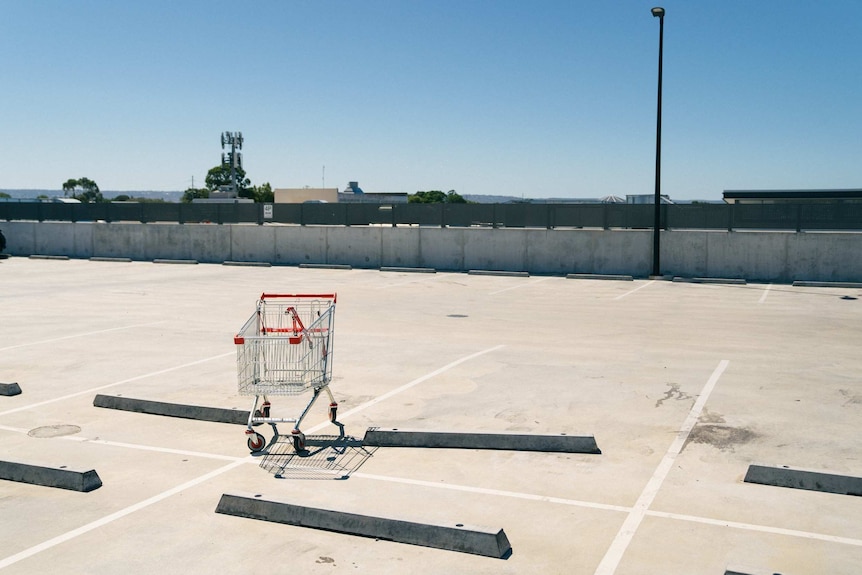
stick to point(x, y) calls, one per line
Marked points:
point(733, 196)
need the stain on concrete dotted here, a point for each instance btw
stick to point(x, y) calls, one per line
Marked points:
point(852, 398)
point(673, 393)
point(54, 431)
point(722, 437)
point(708, 417)
point(511, 415)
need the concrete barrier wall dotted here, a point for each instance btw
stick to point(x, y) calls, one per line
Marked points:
point(755, 256)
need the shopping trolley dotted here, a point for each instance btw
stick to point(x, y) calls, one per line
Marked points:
point(285, 348)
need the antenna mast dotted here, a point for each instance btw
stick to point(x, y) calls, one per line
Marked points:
point(232, 158)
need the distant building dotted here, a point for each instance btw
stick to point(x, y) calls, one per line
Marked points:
point(373, 198)
point(222, 200)
point(646, 199)
point(353, 194)
point(302, 195)
point(353, 188)
point(796, 196)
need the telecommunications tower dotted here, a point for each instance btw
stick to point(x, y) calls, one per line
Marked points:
point(232, 158)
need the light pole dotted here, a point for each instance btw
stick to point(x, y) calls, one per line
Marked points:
point(658, 12)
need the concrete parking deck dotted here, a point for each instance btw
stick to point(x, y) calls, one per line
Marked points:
point(683, 385)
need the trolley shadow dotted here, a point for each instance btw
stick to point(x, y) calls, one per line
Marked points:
point(324, 457)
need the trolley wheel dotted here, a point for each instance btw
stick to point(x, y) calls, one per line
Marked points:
point(333, 413)
point(256, 442)
point(298, 440)
point(266, 410)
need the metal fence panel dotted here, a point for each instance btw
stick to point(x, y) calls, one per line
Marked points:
point(697, 216)
point(418, 214)
point(524, 215)
point(287, 213)
point(787, 216)
point(637, 216)
point(163, 212)
point(127, 212)
point(361, 214)
point(840, 216)
point(324, 214)
point(466, 215)
point(766, 216)
point(61, 212)
point(578, 215)
point(19, 211)
point(243, 213)
point(201, 213)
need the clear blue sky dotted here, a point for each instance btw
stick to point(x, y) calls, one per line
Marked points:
point(537, 98)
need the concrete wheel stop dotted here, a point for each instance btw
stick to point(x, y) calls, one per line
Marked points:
point(812, 480)
point(326, 266)
point(615, 277)
point(61, 477)
point(452, 537)
point(742, 570)
point(560, 443)
point(10, 389)
point(408, 270)
point(201, 413)
point(502, 273)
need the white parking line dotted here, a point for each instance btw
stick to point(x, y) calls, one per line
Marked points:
point(760, 528)
point(621, 542)
point(530, 283)
point(407, 386)
point(234, 463)
point(116, 383)
point(634, 290)
point(495, 492)
point(11, 560)
point(765, 293)
point(612, 557)
point(89, 333)
point(427, 278)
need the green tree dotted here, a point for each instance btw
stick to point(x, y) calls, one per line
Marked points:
point(220, 176)
point(263, 194)
point(4, 195)
point(69, 186)
point(89, 190)
point(430, 197)
point(453, 197)
point(193, 193)
point(436, 197)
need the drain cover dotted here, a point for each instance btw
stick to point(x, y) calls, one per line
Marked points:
point(54, 431)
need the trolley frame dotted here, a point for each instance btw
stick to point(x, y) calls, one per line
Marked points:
point(285, 348)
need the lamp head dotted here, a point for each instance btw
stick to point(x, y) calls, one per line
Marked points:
point(658, 12)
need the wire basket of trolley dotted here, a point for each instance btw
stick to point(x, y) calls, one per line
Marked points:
point(285, 348)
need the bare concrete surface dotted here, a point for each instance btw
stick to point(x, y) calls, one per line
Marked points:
point(684, 385)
